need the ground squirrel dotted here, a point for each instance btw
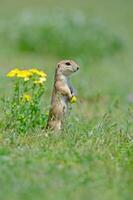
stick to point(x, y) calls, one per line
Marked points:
point(62, 94)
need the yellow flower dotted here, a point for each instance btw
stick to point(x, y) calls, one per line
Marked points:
point(24, 74)
point(73, 99)
point(26, 97)
point(38, 72)
point(13, 73)
point(40, 81)
point(26, 79)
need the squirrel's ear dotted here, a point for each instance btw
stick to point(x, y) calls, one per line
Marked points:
point(57, 65)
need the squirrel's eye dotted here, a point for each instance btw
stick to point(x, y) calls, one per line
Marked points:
point(68, 63)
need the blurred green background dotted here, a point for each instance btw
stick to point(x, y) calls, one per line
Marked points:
point(94, 157)
point(97, 34)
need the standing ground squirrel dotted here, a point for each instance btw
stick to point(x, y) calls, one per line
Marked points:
point(62, 94)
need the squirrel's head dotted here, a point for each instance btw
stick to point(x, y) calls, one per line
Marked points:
point(67, 67)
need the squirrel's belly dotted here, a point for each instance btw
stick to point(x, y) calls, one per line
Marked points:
point(64, 103)
point(59, 107)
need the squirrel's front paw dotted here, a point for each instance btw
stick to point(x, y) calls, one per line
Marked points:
point(73, 99)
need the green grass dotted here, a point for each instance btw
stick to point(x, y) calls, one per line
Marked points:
point(92, 157)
